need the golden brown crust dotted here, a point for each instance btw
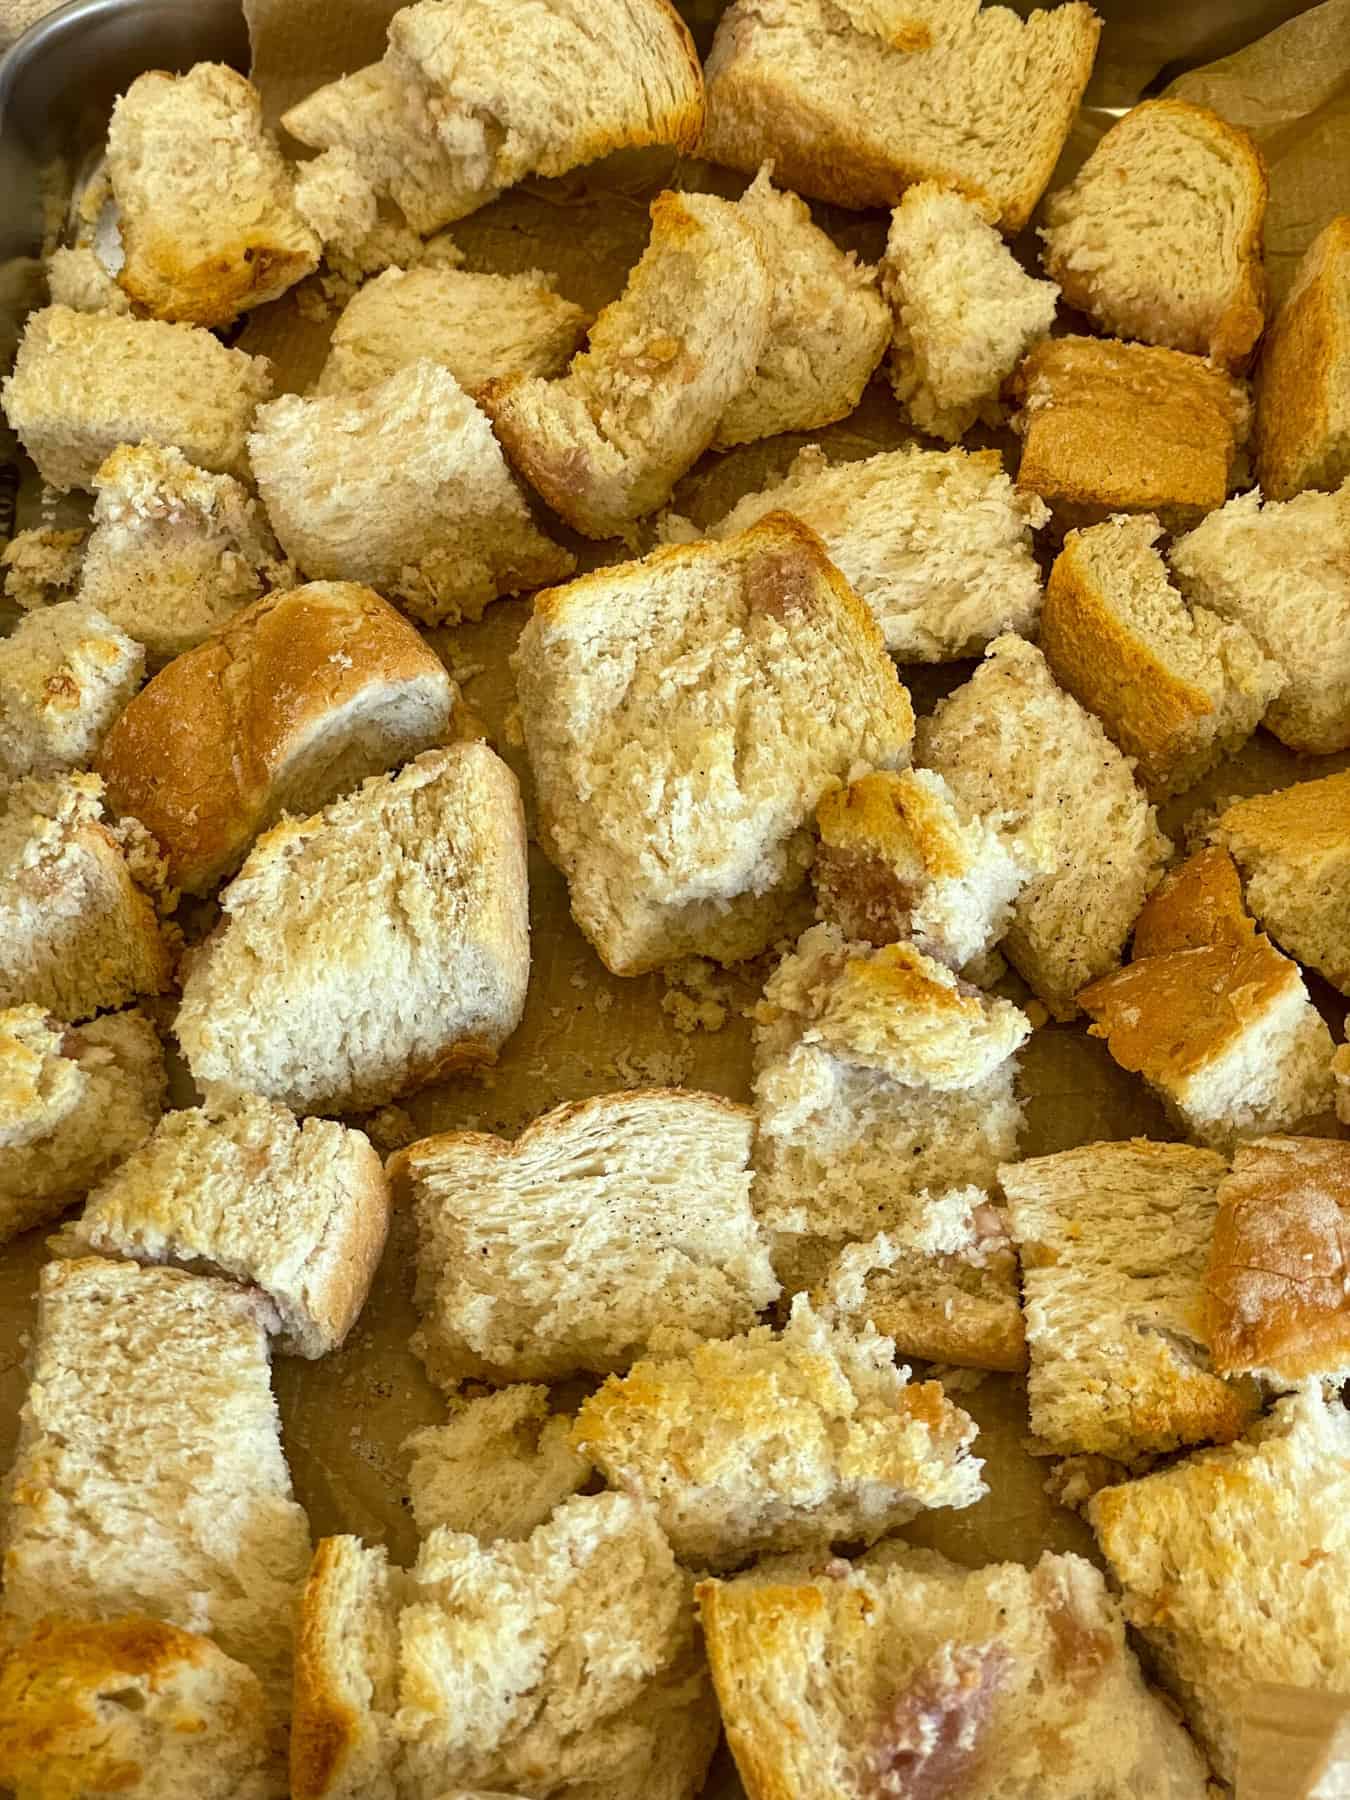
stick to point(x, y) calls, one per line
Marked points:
point(238, 276)
point(196, 754)
point(1306, 345)
point(927, 1328)
point(1278, 1287)
point(882, 813)
point(1198, 904)
point(1150, 711)
point(338, 1306)
point(324, 1728)
point(1114, 427)
point(1310, 819)
point(1168, 1017)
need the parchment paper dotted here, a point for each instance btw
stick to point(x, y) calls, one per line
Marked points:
point(585, 1031)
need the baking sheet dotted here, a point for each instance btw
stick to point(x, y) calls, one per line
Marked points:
point(586, 1031)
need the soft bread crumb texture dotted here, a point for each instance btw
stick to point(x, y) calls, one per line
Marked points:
point(497, 1468)
point(66, 672)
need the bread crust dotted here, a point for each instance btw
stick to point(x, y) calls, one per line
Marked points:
point(199, 754)
point(1198, 904)
point(1298, 444)
point(325, 1728)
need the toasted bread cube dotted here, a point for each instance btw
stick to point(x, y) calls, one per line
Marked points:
point(937, 542)
point(1303, 382)
point(828, 325)
point(1159, 234)
point(678, 800)
point(1233, 1565)
point(1225, 1034)
point(942, 1681)
point(394, 927)
point(297, 1212)
point(1015, 749)
point(66, 673)
point(606, 444)
point(965, 312)
point(651, 1187)
point(1119, 428)
point(403, 487)
point(1278, 1304)
point(1293, 848)
point(1114, 1241)
point(175, 552)
point(204, 202)
point(42, 566)
point(78, 935)
point(1197, 904)
point(771, 1443)
point(1177, 689)
point(83, 383)
point(74, 1100)
point(479, 327)
point(847, 115)
point(899, 859)
point(497, 1469)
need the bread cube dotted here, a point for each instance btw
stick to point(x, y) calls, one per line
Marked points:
point(74, 1100)
point(78, 278)
point(678, 799)
point(1233, 1566)
point(771, 1443)
point(964, 311)
point(1283, 571)
point(497, 1469)
point(938, 543)
point(360, 236)
point(1176, 689)
point(606, 1228)
point(204, 198)
point(297, 1212)
point(1159, 235)
point(1114, 1241)
point(402, 487)
point(66, 673)
point(83, 383)
point(1119, 428)
point(1302, 391)
point(1196, 905)
point(42, 566)
point(394, 930)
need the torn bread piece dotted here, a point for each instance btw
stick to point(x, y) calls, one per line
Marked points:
point(845, 116)
point(205, 208)
point(1114, 1241)
point(394, 928)
point(610, 1227)
point(78, 277)
point(403, 487)
point(1293, 848)
point(43, 566)
point(964, 311)
point(1159, 234)
point(296, 1212)
point(1303, 380)
point(607, 442)
point(479, 327)
point(361, 235)
point(1197, 904)
point(1002, 1682)
point(1233, 1566)
point(83, 383)
point(1176, 688)
point(828, 325)
point(497, 1469)
point(187, 1516)
point(937, 542)
point(898, 1013)
point(899, 859)
point(678, 799)
point(78, 934)
point(1018, 751)
point(1278, 1288)
point(1283, 571)
point(941, 1281)
point(132, 1707)
point(175, 551)
point(843, 1152)
point(1225, 1034)
point(66, 672)
point(1119, 428)
point(385, 1657)
point(773, 1442)
point(74, 1100)
point(295, 701)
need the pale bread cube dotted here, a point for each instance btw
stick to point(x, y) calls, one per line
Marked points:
point(66, 672)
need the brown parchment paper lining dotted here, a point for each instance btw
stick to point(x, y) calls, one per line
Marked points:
point(584, 1031)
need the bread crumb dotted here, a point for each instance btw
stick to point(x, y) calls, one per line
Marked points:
point(694, 998)
point(654, 1068)
point(390, 1129)
point(954, 1380)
